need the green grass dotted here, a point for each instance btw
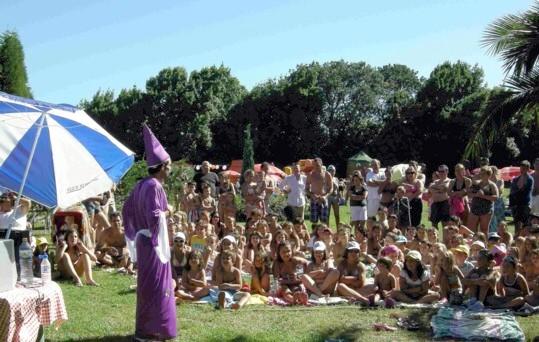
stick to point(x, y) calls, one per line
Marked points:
point(107, 313)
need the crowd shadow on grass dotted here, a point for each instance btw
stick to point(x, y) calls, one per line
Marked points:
point(126, 292)
point(116, 338)
point(343, 333)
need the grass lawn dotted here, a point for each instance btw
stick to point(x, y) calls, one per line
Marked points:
point(107, 313)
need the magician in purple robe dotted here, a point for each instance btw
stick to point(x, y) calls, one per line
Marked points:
point(147, 239)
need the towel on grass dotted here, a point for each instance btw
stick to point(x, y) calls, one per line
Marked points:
point(468, 325)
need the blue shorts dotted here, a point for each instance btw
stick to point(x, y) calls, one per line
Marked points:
point(319, 211)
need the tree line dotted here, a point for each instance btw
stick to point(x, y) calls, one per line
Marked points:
point(331, 110)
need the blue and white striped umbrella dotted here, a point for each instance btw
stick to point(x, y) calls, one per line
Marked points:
point(74, 157)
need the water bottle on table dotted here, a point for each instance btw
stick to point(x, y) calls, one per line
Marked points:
point(25, 260)
point(45, 269)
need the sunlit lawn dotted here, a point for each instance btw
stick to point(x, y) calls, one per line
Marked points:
point(107, 313)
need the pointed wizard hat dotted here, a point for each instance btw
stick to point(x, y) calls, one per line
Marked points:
point(155, 153)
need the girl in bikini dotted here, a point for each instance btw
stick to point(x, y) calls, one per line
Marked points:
point(75, 260)
point(512, 287)
point(285, 269)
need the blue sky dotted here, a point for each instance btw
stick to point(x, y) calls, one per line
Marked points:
point(74, 48)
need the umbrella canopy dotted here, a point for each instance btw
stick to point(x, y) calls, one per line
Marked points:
point(74, 157)
point(272, 170)
point(509, 172)
point(232, 175)
point(236, 165)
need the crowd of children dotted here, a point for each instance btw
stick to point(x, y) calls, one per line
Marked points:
point(381, 263)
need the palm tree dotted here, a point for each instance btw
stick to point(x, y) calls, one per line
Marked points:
point(515, 38)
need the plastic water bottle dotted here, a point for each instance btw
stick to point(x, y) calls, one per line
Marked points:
point(25, 261)
point(45, 269)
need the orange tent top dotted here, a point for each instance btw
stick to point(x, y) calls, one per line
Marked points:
point(236, 165)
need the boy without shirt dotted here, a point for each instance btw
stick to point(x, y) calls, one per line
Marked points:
point(112, 247)
point(481, 281)
point(228, 281)
point(318, 185)
point(439, 191)
point(191, 203)
point(384, 281)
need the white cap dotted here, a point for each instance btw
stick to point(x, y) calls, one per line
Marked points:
point(179, 235)
point(319, 246)
point(353, 245)
point(230, 238)
point(479, 243)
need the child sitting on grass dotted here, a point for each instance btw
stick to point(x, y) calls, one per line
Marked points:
point(228, 281)
point(449, 278)
point(533, 298)
point(414, 282)
point(384, 281)
point(285, 269)
point(512, 287)
point(343, 236)
point(481, 281)
point(321, 276)
point(193, 284)
point(352, 276)
point(260, 273)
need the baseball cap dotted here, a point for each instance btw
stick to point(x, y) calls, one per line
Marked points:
point(414, 255)
point(461, 249)
point(493, 235)
point(389, 249)
point(353, 245)
point(401, 239)
point(479, 243)
point(230, 238)
point(41, 241)
point(319, 246)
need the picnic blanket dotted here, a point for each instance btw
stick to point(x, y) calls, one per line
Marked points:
point(470, 325)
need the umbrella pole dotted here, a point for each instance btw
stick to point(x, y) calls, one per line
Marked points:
point(26, 171)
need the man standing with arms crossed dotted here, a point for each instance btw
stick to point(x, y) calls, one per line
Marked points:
point(319, 184)
point(144, 214)
point(294, 186)
point(374, 179)
point(439, 190)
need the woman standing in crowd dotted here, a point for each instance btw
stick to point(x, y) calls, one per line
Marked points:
point(414, 189)
point(358, 201)
point(483, 193)
point(458, 189)
point(387, 190)
point(499, 206)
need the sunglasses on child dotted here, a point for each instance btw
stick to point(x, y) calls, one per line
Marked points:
point(179, 240)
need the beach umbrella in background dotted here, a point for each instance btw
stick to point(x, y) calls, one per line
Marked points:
point(56, 155)
point(232, 175)
point(509, 172)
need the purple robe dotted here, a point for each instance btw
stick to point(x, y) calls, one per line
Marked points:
point(156, 306)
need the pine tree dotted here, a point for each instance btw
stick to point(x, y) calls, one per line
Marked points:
point(248, 151)
point(13, 78)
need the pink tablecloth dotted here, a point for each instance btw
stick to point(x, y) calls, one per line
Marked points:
point(23, 310)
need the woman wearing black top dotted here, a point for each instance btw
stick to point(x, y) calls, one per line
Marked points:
point(358, 201)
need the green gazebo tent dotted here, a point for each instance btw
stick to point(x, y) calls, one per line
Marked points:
point(361, 158)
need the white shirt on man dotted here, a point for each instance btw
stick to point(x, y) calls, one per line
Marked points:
point(19, 223)
point(296, 196)
point(373, 176)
